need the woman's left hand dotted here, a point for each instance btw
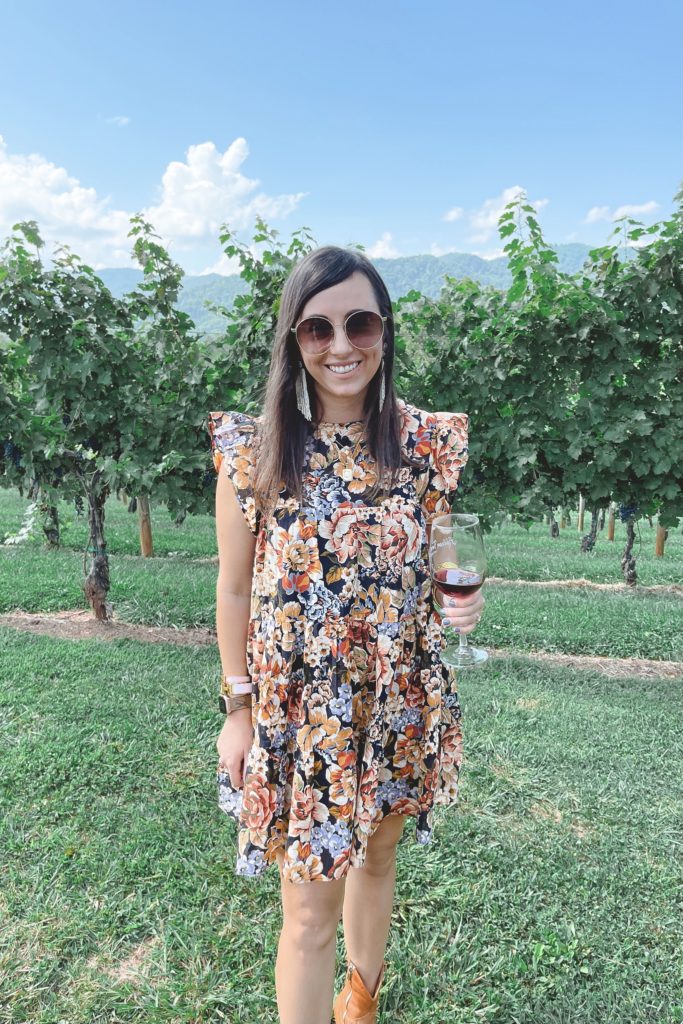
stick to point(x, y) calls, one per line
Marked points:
point(462, 613)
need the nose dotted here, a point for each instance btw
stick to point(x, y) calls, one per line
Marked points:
point(340, 344)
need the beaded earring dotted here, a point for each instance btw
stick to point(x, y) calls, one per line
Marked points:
point(382, 386)
point(302, 400)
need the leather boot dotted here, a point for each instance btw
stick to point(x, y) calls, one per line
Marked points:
point(354, 1004)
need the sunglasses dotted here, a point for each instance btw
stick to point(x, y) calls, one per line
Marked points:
point(364, 330)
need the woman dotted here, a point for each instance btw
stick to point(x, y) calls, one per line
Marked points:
point(324, 608)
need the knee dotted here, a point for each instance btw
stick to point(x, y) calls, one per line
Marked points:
point(311, 918)
point(380, 856)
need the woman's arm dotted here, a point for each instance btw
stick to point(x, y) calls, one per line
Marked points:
point(236, 546)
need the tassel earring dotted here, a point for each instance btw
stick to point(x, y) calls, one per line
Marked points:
point(302, 401)
point(382, 386)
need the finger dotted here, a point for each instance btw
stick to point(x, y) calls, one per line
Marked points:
point(473, 602)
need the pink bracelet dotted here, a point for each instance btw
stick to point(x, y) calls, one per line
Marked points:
point(238, 684)
point(241, 687)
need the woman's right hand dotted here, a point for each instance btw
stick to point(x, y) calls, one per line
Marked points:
point(234, 743)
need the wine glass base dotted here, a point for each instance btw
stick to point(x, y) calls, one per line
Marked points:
point(463, 657)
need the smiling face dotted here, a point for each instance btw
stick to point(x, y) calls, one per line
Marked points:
point(340, 395)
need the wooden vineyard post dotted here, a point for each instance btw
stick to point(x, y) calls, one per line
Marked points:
point(660, 541)
point(145, 521)
point(582, 509)
point(610, 522)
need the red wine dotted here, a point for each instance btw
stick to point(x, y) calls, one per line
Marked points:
point(457, 581)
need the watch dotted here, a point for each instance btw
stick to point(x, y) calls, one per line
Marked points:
point(228, 704)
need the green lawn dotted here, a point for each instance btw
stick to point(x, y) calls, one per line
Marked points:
point(551, 895)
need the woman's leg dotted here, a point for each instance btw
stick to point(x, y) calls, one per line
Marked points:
point(305, 965)
point(369, 899)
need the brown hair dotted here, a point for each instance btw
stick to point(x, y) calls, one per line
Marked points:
point(284, 431)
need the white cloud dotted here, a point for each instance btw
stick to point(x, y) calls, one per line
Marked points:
point(484, 221)
point(440, 250)
point(225, 265)
point(208, 190)
point(490, 254)
point(634, 211)
point(119, 120)
point(455, 213)
point(596, 213)
point(32, 188)
point(195, 198)
point(627, 210)
point(383, 248)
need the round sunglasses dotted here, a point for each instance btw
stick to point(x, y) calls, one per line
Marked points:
point(363, 328)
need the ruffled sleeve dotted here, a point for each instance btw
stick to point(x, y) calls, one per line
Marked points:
point(447, 457)
point(233, 450)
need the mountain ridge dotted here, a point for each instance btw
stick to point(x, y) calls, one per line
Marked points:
point(402, 274)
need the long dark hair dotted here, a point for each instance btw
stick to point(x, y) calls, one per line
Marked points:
point(284, 431)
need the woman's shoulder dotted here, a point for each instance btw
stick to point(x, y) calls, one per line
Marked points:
point(421, 428)
point(231, 420)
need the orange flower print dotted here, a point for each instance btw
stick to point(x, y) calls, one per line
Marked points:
point(409, 423)
point(423, 441)
point(241, 474)
point(449, 451)
point(409, 749)
point(288, 620)
point(300, 865)
point(401, 539)
point(342, 784)
point(451, 744)
point(258, 801)
point(341, 864)
point(405, 805)
point(384, 663)
point(306, 808)
point(349, 534)
point(348, 469)
point(296, 557)
point(322, 731)
point(386, 611)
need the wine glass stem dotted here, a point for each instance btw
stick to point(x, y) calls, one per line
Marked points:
point(463, 641)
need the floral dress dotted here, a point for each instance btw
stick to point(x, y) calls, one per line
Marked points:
point(355, 717)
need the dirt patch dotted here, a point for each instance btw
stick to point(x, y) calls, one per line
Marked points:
point(527, 703)
point(675, 589)
point(134, 965)
point(81, 625)
point(615, 668)
point(547, 812)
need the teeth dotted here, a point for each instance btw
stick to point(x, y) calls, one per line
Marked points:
point(344, 369)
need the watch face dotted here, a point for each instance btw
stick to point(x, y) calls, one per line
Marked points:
point(223, 703)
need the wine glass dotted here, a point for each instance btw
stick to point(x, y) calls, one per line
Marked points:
point(457, 563)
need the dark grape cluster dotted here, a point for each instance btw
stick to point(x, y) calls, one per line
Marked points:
point(79, 505)
point(627, 512)
point(11, 453)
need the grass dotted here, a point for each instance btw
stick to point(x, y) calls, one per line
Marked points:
point(550, 895)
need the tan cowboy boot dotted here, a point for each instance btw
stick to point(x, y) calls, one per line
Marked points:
point(354, 1004)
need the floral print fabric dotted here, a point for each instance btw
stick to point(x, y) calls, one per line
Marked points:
point(354, 714)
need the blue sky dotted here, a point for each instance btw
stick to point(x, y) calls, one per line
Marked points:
point(403, 125)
